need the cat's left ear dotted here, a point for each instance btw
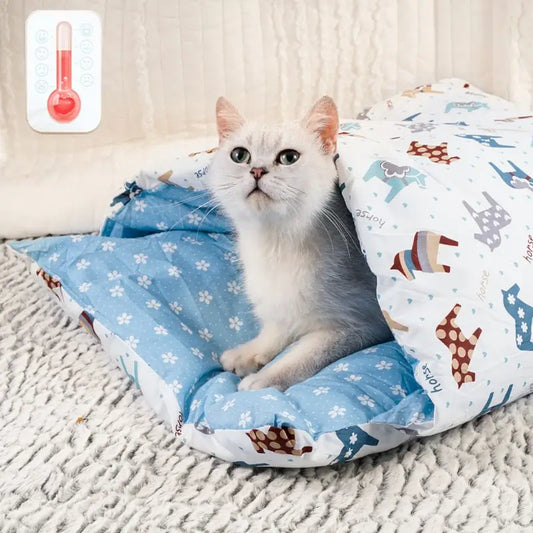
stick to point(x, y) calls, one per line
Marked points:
point(228, 118)
point(323, 120)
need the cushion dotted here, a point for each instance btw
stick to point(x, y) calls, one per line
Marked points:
point(161, 288)
point(441, 203)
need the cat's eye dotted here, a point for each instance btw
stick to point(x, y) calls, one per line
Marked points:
point(240, 155)
point(288, 157)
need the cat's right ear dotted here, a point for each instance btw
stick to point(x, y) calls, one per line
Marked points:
point(323, 121)
point(228, 118)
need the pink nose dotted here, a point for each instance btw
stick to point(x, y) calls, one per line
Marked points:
point(258, 173)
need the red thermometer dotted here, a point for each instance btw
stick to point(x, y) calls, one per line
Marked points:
point(64, 103)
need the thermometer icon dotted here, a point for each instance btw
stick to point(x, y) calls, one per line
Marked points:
point(64, 103)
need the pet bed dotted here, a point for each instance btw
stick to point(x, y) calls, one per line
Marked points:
point(438, 180)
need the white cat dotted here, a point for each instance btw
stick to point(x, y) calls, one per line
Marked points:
point(305, 275)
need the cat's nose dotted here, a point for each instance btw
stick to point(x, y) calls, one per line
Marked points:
point(258, 173)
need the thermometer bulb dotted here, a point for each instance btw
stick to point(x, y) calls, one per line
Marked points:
point(64, 103)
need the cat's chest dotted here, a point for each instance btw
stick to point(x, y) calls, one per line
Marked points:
point(279, 281)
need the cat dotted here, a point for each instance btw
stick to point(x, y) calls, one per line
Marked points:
point(305, 275)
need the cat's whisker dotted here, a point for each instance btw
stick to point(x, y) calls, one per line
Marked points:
point(331, 218)
point(342, 225)
point(201, 206)
point(321, 222)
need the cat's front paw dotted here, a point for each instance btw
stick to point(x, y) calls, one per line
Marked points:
point(262, 380)
point(239, 360)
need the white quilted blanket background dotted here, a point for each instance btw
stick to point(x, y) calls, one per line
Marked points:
point(166, 61)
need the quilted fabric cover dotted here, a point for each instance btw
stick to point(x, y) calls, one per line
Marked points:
point(442, 202)
point(161, 289)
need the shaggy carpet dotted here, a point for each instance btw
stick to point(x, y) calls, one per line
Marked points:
point(80, 451)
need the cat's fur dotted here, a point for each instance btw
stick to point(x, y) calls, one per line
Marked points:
point(304, 272)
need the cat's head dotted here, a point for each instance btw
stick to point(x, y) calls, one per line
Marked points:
point(274, 174)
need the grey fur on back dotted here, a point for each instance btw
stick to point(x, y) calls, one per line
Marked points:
point(347, 288)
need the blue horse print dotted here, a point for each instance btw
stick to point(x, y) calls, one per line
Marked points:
point(396, 177)
point(487, 140)
point(516, 178)
point(353, 439)
point(522, 314)
point(468, 106)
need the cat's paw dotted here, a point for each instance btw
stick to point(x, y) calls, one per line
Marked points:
point(262, 380)
point(239, 360)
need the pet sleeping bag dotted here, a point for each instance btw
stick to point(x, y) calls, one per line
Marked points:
point(438, 180)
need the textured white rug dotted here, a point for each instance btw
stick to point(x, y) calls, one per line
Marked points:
point(80, 451)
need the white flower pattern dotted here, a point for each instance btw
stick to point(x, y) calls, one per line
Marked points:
point(169, 247)
point(144, 281)
point(83, 264)
point(169, 358)
point(174, 271)
point(337, 411)
point(235, 323)
point(140, 259)
point(205, 297)
point(202, 265)
point(117, 291)
point(124, 319)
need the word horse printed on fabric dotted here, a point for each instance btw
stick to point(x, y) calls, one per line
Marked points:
point(516, 178)
point(490, 221)
point(396, 177)
point(423, 255)
point(461, 348)
point(522, 314)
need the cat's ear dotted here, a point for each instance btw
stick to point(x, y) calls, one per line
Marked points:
point(323, 120)
point(228, 118)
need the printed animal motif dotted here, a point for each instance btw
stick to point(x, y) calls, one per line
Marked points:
point(52, 283)
point(437, 153)
point(410, 118)
point(490, 222)
point(351, 134)
point(423, 255)
point(210, 151)
point(252, 465)
point(461, 348)
point(411, 93)
point(86, 321)
point(417, 127)
point(459, 123)
point(396, 177)
point(469, 106)
point(165, 178)
point(278, 440)
point(353, 439)
point(393, 324)
point(134, 378)
point(204, 428)
point(488, 407)
point(512, 119)
point(522, 314)
point(517, 178)
point(347, 126)
point(487, 140)
point(363, 115)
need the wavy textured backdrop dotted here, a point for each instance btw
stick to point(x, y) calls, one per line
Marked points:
point(166, 61)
